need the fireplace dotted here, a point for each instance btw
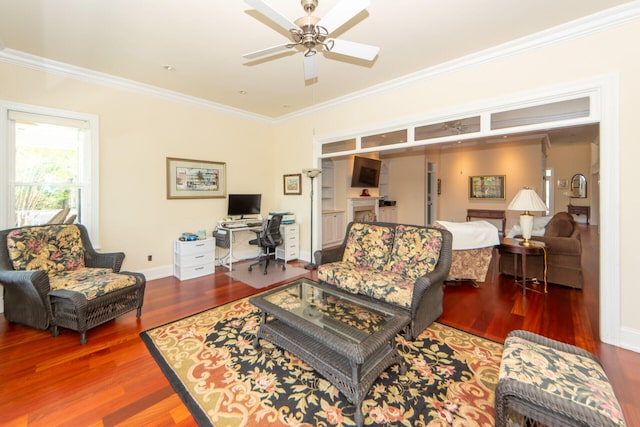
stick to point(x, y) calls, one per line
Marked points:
point(364, 209)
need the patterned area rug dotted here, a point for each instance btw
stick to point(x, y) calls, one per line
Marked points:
point(211, 363)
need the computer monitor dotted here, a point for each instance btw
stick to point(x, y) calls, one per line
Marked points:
point(244, 204)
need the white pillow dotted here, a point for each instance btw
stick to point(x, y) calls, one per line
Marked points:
point(539, 224)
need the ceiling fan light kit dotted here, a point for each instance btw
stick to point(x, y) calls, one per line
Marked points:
point(313, 33)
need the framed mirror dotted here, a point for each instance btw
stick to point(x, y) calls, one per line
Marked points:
point(579, 186)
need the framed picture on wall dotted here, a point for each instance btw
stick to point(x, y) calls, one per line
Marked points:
point(195, 179)
point(292, 184)
point(487, 187)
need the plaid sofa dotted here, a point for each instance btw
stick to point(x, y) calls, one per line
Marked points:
point(401, 265)
point(53, 277)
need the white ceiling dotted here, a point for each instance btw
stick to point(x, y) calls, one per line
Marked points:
point(204, 41)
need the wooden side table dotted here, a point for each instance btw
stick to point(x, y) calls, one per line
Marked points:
point(513, 246)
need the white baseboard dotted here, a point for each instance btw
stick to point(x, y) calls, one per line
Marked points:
point(630, 339)
point(157, 272)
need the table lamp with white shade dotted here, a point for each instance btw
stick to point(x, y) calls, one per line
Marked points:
point(527, 200)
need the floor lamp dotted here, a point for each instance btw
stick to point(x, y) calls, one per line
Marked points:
point(311, 174)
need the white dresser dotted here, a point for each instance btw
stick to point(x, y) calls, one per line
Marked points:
point(290, 247)
point(194, 259)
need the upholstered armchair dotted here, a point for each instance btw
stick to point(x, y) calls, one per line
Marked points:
point(53, 277)
point(564, 254)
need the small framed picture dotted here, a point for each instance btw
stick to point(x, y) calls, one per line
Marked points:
point(292, 184)
point(487, 187)
point(563, 184)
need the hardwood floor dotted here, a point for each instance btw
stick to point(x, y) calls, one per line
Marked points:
point(113, 380)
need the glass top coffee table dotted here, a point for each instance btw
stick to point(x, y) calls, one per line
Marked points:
point(348, 339)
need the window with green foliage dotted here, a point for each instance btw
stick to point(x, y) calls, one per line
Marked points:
point(47, 172)
point(51, 167)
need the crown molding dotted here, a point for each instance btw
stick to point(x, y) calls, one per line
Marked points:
point(39, 63)
point(610, 18)
point(602, 21)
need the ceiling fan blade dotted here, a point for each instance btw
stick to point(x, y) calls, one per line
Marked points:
point(310, 65)
point(266, 52)
point(272, 14)
point(357, 50)
point(341, 13)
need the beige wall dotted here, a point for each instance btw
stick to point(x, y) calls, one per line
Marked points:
point(566, 161)
point(407, 186)
point(556, 65)
point(520, 163)
point(137, 132)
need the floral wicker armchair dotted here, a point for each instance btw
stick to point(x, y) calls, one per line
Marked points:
point(53, 277)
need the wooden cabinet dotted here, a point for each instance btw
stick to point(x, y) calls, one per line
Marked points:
point(290, 247)
point(333, 228)
point(388, 214)
point(194, 259)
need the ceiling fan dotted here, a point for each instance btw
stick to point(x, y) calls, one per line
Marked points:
point(313, 34)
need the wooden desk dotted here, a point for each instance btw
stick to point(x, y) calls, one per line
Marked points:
point(579, 210)
point(488, 214)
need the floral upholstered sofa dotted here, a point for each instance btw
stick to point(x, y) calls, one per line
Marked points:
point(401, 265)
point(53, 277)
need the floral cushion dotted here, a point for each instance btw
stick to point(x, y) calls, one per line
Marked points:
point(91, 282)
point(368, 245)
point(58, 250)
point(415, 251)
point(387, 286)
point(52, 248)
point(568, 376)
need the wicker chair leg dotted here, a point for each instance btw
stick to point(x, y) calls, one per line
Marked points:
point(139, 312)
point(83, 337)
point(55, 331)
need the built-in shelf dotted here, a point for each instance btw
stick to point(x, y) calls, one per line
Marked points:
point(328, 187)
point(383, 189)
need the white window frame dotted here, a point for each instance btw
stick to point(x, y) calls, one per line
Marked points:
point(90, 164)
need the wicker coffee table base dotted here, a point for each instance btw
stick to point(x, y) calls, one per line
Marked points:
point(353, 379)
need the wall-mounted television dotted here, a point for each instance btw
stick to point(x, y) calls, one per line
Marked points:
point(244, 204)
point(366, 172)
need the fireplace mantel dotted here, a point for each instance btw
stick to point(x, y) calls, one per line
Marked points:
point(359, 204)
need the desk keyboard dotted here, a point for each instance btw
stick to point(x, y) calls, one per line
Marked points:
point(235, 226)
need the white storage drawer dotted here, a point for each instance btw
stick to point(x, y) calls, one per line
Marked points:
point(195, 247)
point(194, 259)
point(192, 271)
point(290, 247)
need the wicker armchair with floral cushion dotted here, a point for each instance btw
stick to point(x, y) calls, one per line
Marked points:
point(401, 265)
point(53, 277)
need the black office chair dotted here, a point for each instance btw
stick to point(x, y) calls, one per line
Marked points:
point(268, 239)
